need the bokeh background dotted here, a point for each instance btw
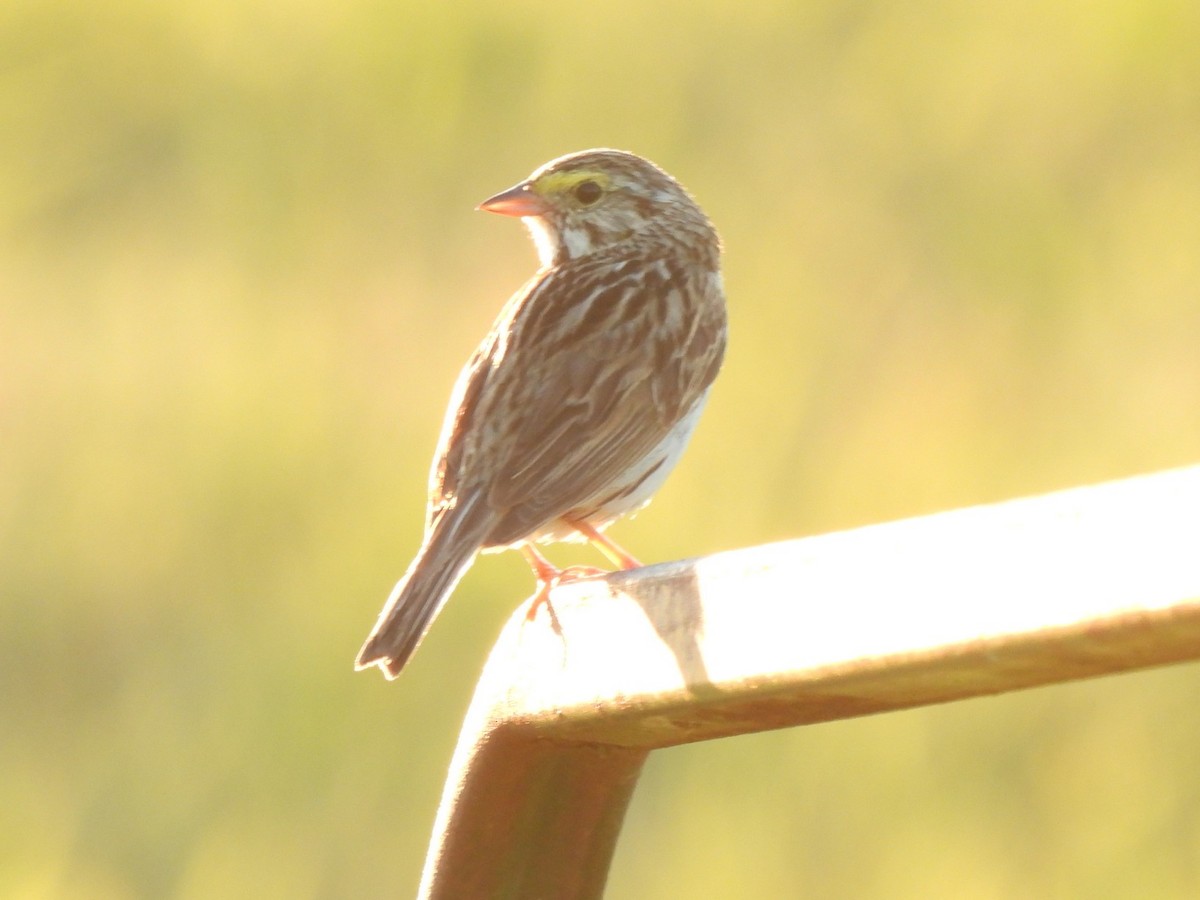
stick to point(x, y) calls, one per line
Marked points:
point(239, 270)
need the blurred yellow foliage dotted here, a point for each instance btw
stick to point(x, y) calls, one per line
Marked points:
point(239, 270)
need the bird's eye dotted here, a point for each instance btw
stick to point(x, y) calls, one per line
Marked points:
point(587, 192)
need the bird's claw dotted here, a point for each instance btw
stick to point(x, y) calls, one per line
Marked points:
point(560, 576)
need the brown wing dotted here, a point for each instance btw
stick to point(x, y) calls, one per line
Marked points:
point(601, 359)
point(460, 428)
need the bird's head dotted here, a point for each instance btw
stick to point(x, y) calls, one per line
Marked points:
point(593, 200)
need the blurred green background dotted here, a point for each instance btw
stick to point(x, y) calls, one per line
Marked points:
point(239, 270)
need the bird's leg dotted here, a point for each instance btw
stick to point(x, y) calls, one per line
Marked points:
point(606, 545)
point(549, 576)
point(544, 570)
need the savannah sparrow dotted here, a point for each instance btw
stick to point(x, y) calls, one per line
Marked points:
point(582, 397)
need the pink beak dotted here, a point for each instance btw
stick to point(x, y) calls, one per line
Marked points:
point(516, 201)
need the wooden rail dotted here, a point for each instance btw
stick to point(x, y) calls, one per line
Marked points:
point(977, 601)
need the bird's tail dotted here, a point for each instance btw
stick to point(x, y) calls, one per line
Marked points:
point(448, 550)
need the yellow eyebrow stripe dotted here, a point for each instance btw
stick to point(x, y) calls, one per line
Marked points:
point(558, 183)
